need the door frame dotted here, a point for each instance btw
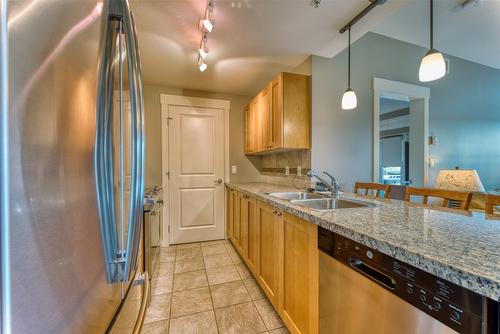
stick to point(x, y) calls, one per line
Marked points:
point(188, 101)
point(397, 90)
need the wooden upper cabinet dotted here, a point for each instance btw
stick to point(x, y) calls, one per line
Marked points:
point(248, 129)
point(282, 116)
point(276, 135)
point(267, 118)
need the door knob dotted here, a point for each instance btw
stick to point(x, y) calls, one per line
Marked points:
point(219, 181)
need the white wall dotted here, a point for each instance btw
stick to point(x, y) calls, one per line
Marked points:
point(247, 171)
point(464, 111)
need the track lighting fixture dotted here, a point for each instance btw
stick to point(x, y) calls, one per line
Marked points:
point(206, 25)
point(433, 66)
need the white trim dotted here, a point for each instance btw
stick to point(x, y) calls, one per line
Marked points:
point(398, 91)
point(177, 100)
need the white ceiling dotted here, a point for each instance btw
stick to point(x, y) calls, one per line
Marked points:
point(471, 33)
point(252, 40)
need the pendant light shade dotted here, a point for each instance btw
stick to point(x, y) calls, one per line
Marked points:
point(349, 99)
point(433, 66)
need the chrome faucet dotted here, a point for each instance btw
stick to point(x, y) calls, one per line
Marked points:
point(333, 186)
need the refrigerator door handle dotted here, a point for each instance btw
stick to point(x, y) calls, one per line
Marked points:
point(137, 124)
point(120, 263)
point(103, 153)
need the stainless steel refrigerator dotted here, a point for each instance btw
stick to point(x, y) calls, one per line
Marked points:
point(75, 165)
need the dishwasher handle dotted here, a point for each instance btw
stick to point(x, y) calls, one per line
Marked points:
point(372, 273)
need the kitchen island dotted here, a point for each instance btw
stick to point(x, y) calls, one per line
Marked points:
point(462, 249)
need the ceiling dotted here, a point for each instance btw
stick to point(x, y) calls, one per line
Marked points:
point(471, 33)
point(252, 40)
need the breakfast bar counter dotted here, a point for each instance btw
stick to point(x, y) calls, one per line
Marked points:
point(463, 249)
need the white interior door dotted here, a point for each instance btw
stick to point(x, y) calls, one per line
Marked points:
point(196, 173)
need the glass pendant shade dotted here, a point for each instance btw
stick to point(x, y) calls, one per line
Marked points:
point(432, 67)
point(349, 100)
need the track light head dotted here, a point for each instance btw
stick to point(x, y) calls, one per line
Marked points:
point(207, 24)
point(201, 64)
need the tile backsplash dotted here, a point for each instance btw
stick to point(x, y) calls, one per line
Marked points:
point(273, 168)
point(276, 163)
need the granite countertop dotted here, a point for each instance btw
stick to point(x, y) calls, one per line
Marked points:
point(463, 249)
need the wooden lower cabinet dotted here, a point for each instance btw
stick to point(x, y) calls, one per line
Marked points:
point(268, 219)
point(252, 235)
point(233, 215)
point(247, 208)
point(281, 251)
point(229, 219)
point(299, 275)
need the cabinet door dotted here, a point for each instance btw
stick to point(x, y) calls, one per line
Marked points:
point(236, 218)
point(299, 275)
point(243, 227)
point(252, 257)
point(268, 220)
point(248, 129)
point(276, 136)
point(257, 123)
point(267, 118)
point(230, 214)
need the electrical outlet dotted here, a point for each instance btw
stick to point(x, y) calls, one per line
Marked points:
point(287, 170)
point(299, 170)
point(234, 169)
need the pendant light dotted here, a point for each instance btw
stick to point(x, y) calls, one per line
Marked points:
point(433, 66)
point(349, 100)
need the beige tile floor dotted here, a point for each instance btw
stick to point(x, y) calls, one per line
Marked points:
point(207, 288)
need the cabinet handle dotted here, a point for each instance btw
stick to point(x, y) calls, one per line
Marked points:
point(279, 213)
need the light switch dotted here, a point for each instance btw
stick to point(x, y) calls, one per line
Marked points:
point(287, 170)
point(299, 170)
point(234, 169)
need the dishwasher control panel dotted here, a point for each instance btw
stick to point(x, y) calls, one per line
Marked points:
point(461, 309)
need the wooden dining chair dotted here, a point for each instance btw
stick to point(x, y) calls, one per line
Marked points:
point(451, 198)
point(491, 202)
point(376, 188)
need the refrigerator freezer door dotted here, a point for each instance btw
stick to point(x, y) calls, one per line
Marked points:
point(59, 282)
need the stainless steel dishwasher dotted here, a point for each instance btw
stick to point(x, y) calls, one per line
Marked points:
point(363, 291)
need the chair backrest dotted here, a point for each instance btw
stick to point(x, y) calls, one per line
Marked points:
point(491, 202)
point(458, 199)
point(377, 188)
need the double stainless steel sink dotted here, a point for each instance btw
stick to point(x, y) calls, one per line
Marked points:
point(320, 202)
point(294, 196)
